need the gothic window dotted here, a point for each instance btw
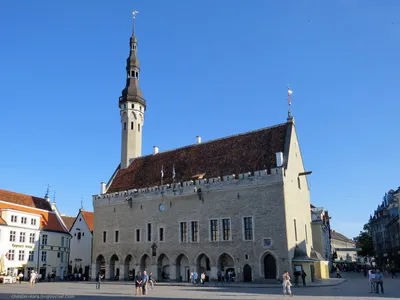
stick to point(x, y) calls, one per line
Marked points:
point(214, 230)
point(131, 125)
point(194, 231)
point(226, 229)
point(149, 232)
point(183, 232)
point(104, 236)
point(248, 228)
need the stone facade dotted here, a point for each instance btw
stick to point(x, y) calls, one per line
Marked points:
point(238, 203)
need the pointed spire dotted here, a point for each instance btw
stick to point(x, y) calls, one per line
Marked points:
point(132, 91)
point(47, 196)
point(81, 202)
point(54, 197)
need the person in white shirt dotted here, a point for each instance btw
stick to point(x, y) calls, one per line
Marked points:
point(371, 280)
point(32, 278)
point(286, 283)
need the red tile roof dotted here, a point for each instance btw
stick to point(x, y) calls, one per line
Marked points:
point(338, 236)
point(89, 218)
point(34, 205)
point(236, 154)
point(68, 221)
point(23, 199)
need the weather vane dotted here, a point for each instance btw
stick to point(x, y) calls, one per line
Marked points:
point(134, 13)
point(289, 98)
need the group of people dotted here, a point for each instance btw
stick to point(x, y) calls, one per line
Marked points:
point(375, 280)
point(194, 276)
point(143, 282)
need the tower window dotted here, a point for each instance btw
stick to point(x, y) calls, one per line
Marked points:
point(124, 125)
point(137, 75)
point(140, 108)
point(133, 105)
point(131, 125)
point(138, 127)
point(133, 74)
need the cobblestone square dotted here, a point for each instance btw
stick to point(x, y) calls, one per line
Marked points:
point(356, 287)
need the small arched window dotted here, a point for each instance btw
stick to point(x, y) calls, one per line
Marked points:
point(138, 127)
point(131, 125)
point(124, 125)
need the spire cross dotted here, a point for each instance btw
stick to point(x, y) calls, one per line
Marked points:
point(134, 13)
point(289, 98)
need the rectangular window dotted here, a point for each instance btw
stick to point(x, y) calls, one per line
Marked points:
point(44, 255)
point(44, 239)
point(138, 127)
point(248, 228)
point(131, 125)
point(30, 257)
point(104, 236)
point(58, 254)
point(62, 241)
point(23, 220)
point(21, 255)
point(33, 222)
point(214, 230)
point(183, 232)
point(22, 237)
point(11, 254)
point(194, 230)
point(116, 236)
point(79, 235)
point(62, 257)
point(149, 232)
point(161, 234)
point(138, 235)
point(14, 219)
point(12, 236)
point(226, 229)
point(124, 125)
point(32, 238)
point(295, 230)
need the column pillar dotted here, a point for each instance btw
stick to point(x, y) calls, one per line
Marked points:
point(213, 273)
point(122, 272)
point(107, 275)
point(172, 272)
point(94, 271)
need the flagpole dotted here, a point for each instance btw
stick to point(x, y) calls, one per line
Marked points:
point(289, 95)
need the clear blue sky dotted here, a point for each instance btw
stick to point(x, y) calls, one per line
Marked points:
point(209, 68)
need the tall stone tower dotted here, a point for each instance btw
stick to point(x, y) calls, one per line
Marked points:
point(132, 107)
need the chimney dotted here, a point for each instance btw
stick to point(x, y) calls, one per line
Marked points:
point(198, 139)
point(279, 159)
point(102, 188)
point(155, 149)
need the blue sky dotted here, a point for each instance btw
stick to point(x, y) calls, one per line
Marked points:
point(209, 68)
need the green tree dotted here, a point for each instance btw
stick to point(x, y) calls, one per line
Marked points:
point(364, 242)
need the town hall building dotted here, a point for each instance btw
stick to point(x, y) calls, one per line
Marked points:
point(239, 203)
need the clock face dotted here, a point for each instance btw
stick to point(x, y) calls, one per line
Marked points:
point(161, 207)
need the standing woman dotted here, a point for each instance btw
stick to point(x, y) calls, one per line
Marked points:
point(286, 284)
point(138, 283)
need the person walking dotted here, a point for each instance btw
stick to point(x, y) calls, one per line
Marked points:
point(20, 277)
point(98, 281)
point(338, 273)
point(379, 281)
point(32, 278)
point(371, 281)
point(286, 284)
point(303, 277)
